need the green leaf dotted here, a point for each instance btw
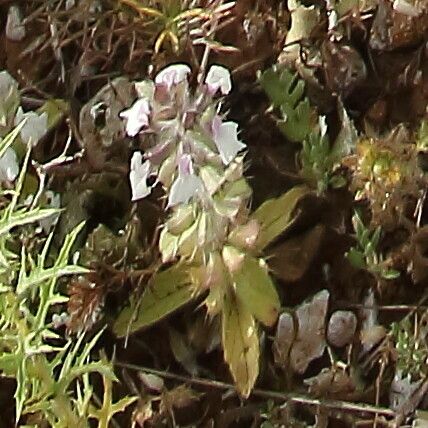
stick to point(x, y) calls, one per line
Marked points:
point(166, 292)
point(256, 291)
point(276, 215)
point(296, 124)
point(8, 364)
point(390, 274)
point(240, 344)
point(286, 91)
point(282, 87)
point(108, 409)
point(356, 258)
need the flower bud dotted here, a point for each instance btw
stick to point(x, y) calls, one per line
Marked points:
point(235, 170)
point(167, 170)
point(238, 189)
point(212, 273)
point(245, 236)
point(211, 177)
point(168, 245)
point(188, 241)
point(217, 281)
point(233, 258)
point(181, 219)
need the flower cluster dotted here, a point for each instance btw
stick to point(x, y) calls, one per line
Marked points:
point(387, 175)
point(12, 114)
point(210, 236)
point(195, 155)
point(184, 124)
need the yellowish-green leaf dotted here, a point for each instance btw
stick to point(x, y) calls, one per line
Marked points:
point(256, 291)
point(276, 215)
point(166, 292)
point(240, 344)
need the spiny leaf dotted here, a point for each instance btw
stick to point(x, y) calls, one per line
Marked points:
point(38, 276)
point(165, 292)
point(240, 344)
point(108, 409)
point(256, 291)
point(23, 217)
point(275, 215)
point(10, 138)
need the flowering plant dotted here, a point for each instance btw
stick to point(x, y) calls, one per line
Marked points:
point(210, 234)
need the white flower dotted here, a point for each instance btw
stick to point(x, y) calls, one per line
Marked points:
point(226, 139)
point(138, 177)
point(218, 77)
point(172, 75)
point(137, 116)
point(10, 98)
point(187, 184)
point(9, 168)
point(34, 128)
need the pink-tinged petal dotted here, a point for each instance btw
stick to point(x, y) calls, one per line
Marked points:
point(172, 75)
point(218, 77)
point(226, 140)
point(185, 165)
point(138, 177)
point(216, 124)
point(187, 185)
point(137, 117)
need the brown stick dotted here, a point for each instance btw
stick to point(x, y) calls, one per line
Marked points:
point(282, 396)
